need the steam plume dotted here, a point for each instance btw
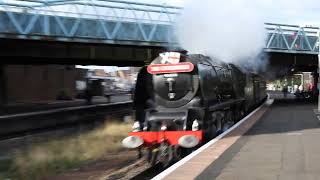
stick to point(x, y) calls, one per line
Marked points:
point(232, 31)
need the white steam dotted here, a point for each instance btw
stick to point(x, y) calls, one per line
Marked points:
point(232, 31)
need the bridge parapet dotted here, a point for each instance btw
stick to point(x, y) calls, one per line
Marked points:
point(292, 39)
point(123, 22)
point(92, 21)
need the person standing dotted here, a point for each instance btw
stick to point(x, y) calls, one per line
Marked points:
point(285, 91)
point(88, 96)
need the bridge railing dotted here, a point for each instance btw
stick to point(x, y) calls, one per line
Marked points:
point(292, 39)
point(110, 21)
point(123, 22)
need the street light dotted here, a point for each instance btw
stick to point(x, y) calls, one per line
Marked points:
point(318, 84)
point(317, 111)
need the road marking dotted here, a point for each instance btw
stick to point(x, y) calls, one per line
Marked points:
point(213, 141)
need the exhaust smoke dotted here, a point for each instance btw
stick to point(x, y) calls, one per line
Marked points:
point(232, 31)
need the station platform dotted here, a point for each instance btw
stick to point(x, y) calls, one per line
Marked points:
point(280, 140)
point(50, 105)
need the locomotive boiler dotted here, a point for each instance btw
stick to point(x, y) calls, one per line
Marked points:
point(182, 101)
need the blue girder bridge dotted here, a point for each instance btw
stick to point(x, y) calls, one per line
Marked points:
point(108, 29)
point(292, 39)
point(88, 21)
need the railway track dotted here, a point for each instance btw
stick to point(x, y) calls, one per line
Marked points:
point(142, 171)
point(137, 170)
point(26, 124)
point(149, 173)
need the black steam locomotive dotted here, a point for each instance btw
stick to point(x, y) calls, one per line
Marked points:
point(182, 101)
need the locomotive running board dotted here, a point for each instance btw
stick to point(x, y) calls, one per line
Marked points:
point(226, 104)
point(183, 161)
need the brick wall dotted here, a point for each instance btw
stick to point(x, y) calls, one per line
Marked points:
point(40, 83)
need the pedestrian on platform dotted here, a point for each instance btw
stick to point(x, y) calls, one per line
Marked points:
point(88, 96)
point(285, 91)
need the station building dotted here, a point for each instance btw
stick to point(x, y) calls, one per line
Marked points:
point(37, 84)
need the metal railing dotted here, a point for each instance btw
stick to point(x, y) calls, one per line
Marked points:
point(105, 21)
point(123, 22)
point(292, 39)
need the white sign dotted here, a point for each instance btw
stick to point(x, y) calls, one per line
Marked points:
point(170, 58)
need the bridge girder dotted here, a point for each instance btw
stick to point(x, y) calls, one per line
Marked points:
point(113, 23)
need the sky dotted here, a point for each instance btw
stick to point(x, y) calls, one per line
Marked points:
point(295, 12)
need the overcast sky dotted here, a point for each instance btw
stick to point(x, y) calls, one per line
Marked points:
point(295, 12)
point(298, 12)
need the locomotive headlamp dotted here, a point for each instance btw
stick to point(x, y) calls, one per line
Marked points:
point(184, 127)
point(136, 127)
point(163, 127)
point(132, 142)
point(145, 128)
point(188, 141)
point(195, 125)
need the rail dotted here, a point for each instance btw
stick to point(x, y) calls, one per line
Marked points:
point(24, 123)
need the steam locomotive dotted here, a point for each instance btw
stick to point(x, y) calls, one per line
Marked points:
point(182, 101)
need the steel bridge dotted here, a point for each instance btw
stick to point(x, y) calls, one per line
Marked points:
point(88, 21)
point(122, 22)
point(292, 39)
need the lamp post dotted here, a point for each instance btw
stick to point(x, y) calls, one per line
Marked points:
point(317, 111)
point(318, 84)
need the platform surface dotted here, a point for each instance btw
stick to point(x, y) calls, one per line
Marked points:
point(284, 144)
